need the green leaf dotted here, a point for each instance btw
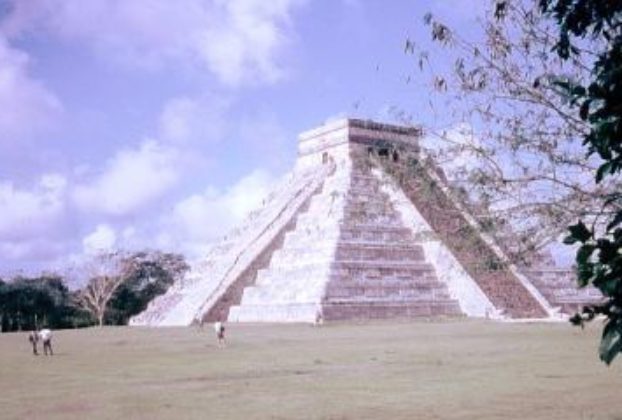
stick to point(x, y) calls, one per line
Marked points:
point(562, 83)
point(616, 221)
point(611, 341)
point(585, 109)
point(585, 272)
point(570, 240)
point(576, 320)
point(579, 232)
point(607, 285)
point(584, 253)
point(603, 170)
point(577, 90)
point(608, 250)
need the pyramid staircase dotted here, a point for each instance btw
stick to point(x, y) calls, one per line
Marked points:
point(559, 285)
point(227, 265)
point(350, 258)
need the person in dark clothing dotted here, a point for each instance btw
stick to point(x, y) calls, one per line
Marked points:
point(33, 337)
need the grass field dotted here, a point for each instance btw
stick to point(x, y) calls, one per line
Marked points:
point(422, 370)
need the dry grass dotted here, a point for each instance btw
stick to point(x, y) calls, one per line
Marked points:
point(422, 370)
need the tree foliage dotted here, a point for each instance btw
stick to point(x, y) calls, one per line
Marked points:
point(105, 276)
point(31, 303)
point(122, 284)
point(597, 99)
point(147, 275)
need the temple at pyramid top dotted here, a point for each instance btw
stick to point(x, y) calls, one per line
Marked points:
point(320, 142)
point(362, 227)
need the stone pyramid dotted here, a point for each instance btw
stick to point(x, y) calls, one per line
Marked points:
point(362, 228)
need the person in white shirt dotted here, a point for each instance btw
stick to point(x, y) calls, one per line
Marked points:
point(46, 337)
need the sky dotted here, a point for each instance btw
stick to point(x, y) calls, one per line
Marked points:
point(156, 124)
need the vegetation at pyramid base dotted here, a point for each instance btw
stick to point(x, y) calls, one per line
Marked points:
point(45, 301)
point(29, 303)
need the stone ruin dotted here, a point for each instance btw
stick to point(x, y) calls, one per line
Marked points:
point(363, 227)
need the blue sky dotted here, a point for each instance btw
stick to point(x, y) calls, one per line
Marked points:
point(151, 123)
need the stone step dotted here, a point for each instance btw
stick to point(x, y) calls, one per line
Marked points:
point(386, 293)
point(390, 283)
point(358, 175)
point(381, 268)
point(362, 282)
point(288, 274)
point(274, 278)
point(376, 199)
point(278, 294)
point(371, 189)
point(368, 251)
point(274, 312)
point(379, 207)
point(354, 218)
point(351, 266)
point(376, 234)
point(388, 298)
point(357, 251)
point(334, 311)
point(369, 234)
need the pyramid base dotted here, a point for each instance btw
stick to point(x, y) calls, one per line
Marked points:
point(298, 312)
point(308, 312)
point(385, 310)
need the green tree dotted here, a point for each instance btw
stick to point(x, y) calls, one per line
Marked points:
point(598, 99)
point(147, 275)
point(121, 284)
point(2, 304)
point(30, 303)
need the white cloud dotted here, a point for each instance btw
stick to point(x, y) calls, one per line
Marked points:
point(103, 238)
point(132, 179)
point(198, 220)
point(187, 119)
point(245, 40)
point(38, 251)
point(27, 106)
point(238, 40)
point(27, 213)
point(32, 222)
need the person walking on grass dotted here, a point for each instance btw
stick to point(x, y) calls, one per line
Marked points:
point(219, 328)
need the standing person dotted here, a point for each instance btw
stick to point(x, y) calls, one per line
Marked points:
point(33, 337)
point(219, 328)
point(319, 319)
point(46, 338)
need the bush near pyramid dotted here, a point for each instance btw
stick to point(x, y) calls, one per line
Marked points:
point(362, 228)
